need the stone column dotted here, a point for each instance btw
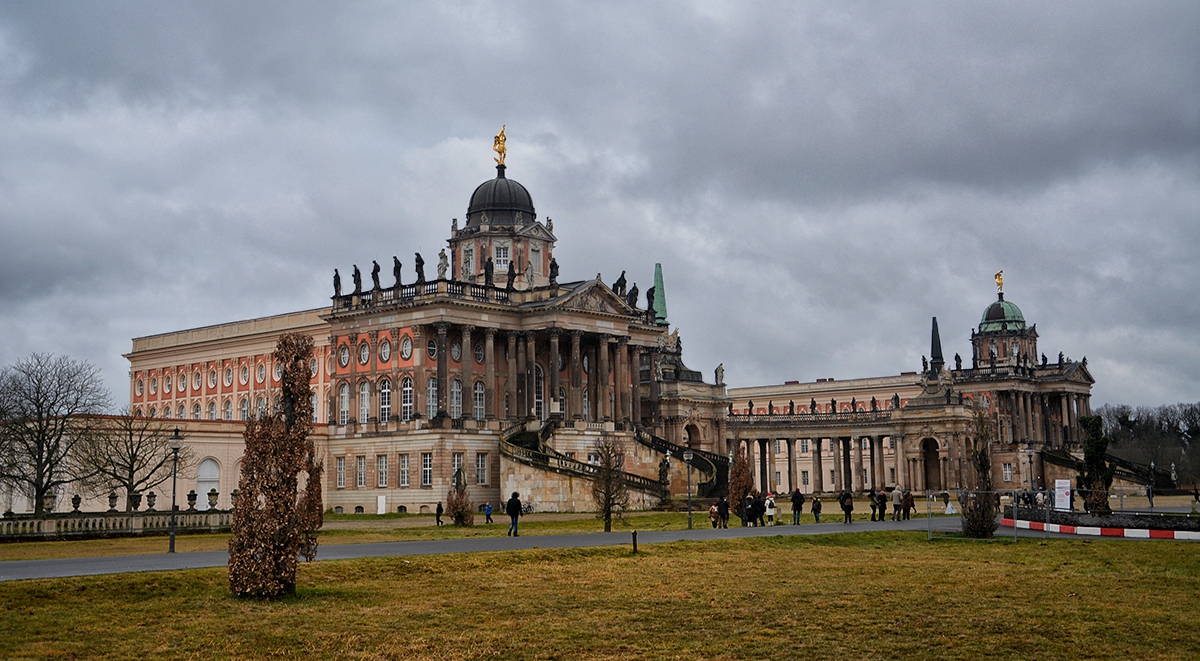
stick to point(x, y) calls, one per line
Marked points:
point(510, 388)
point(763, 479)
point(603, 411)
point(1073, 410)
point(838, 461)
point(818, 481)
point(443, 365)
point(576, 377)
point(622, 378)
point(771, 465)
point(1029, 416)
point(592, 413)
point(902, 478)
point(791, 459)
point(874, 459)
point(531, 375)
point(523, 394)
point(857, 444)
point(468, 374)
point(489, 374)
point(636, 386)
point(558, 405)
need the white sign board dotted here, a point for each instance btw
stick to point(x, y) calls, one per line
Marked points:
point(381, 504)
point(1062, 495)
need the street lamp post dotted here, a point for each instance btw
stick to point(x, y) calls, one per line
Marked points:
point(687, 465)
point(176, 442)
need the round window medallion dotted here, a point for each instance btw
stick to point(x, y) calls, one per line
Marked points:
point(196, 380)
point(212, 378)
point(167, 383)
point(364, 353)
point(431, 348)
point(260, 372)
point(406, 348)
point(312, 367)
point(278, 371)
point(153, 386)
point(228, 375)
point(456, 351)
point(385, 351)
point(245, 374)
point(562, 362)
point(344, 355)
point(479, 353)
point(140, 385)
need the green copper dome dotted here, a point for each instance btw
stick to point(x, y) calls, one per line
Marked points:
point(1001, 316)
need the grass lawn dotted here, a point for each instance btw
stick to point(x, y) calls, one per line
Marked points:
point(383, 528)
point(884, 595)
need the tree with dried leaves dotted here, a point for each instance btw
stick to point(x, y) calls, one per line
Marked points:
point(741, 483)
point(130, 455)
point(609, 490)
point(277, 511)
point(1095, 474)
point(48, 406)
point(458, 503)
point(979, 506)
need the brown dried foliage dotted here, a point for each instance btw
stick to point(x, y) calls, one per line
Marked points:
point(979, 506)
point(458, 503)
point(275, 519)
point(741, 483)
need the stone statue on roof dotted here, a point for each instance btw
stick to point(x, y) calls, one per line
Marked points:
point(419, 264)
point(396, 270)
point(357, 276)
point(375, 274)
point(337, 283)
point(443, 264)
point(498, 146)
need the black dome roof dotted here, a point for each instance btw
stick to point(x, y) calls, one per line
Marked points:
point(502, 201)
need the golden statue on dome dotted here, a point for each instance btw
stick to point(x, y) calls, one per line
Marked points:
point(498, 146)
point(1000, 281)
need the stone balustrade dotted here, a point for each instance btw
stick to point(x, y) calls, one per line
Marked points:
point(84, 525)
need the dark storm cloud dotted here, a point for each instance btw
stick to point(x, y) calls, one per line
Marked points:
point(817, 180)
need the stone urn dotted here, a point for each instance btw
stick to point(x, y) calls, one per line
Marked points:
point(112, 501)
point(75, 501)
point(48, 501)
point(232, 498)
point(135, 500)
point(191, 500)
point(150, 498)
point(212, 498)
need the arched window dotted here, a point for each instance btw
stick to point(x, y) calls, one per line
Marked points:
point(587, 412)
point(228, 410)
point(562, 401)
point(153, 412)
point(260, 405)
point(208, 478)
point(406, 399)
point(477, 400)
point(364, 402)
point(212, 410)
point(385, 400)
point(456, 399)
point(182, 412)
point(539, 393)
point(344, 404)
point(431, 397)
point(315, 401)
point(244, 409)
point(196, 411)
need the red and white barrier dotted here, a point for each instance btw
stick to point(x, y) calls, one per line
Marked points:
point(1136, 533)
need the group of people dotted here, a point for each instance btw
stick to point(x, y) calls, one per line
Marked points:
point(760, 510)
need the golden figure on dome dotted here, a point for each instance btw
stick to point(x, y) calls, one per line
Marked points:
point(498, 146)
point(1000, 281)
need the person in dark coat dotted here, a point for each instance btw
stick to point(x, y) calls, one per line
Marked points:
point(748, 517)
point(438, 514)
point(797, 506)
point(513, 509)
point(874, 502)
point(847, 503)
point(907, 504)
point(816, 508)
point(760, 508)
point(882, 499)
point(723, 512)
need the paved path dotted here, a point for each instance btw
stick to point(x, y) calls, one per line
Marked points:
point(26, 569)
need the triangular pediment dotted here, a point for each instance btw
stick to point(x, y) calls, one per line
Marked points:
point(1080, 374)
point(536, 231)
point(595, 296)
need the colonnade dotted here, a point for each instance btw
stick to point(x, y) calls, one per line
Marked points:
point(1032, 416)
point(856, 462)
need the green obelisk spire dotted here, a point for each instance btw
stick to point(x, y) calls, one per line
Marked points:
point(660, 296)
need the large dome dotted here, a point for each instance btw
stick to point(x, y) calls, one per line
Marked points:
point(500, 201)
point(1001, 316)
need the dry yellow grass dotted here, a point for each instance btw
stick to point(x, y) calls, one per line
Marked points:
point(861, 595)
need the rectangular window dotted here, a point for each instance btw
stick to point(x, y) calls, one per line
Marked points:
point(776, 442)
point(478, 408)
point(426, 469)
point(362, 472)
point(404, 470)
point(456, 464)
point(341, 472)
point(381, 473)
point(481, 471)
point(385, 402)
point(804, 478)
point(535, 258)
point(831, 446)
point(891, 443)
point(593, 459)
point(778, 479)
point(1008, 472)
point(501, 262)
point(892, 475)
point(804, 446)
point(832, 477)
point(468, 262)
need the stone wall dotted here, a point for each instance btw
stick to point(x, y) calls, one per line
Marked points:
point(549, 491)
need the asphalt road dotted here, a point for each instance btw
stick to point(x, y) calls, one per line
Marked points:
point(17, 570)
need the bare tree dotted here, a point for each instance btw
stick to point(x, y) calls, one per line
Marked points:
point(129, 454)
point(1095, 474)
point(979, 506)
point(47, 409)
point(275, 519)
point(609, 490)
point(741, 483)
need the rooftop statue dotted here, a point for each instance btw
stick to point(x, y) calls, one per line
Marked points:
point(553, 271)
point(631, 299)
point(375, 275)
point(619, 286)
point(443, 264)
point(650, 316)
point(498, 146)
point(357, 276)
point(337, 283)
point(812, 406)
point(957, 363)
point(720, 373)
point(512, 276)
point(419, 263)
point(489, 272)
point(1000, 281)
point(396, 270)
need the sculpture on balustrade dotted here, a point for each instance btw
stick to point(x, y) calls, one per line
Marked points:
point(550, 225)
point(632, 298)
point(651, 317)
point(874, 404)
point(512, 277)
point(419, 263)
point(719, 374)
point(731, 409)
point(1043, 360)
point(553, 271)
point(812, 406)
point(619, 286)
point(750, 407)
point(770, 407)
point(396, 270)
point(853, 405)
point(357, 277)
point(924, 365)
point(489, 271)
point(443, 264)
point(895, 400)
point(957, 363)
point(1060, 358)
point(337, 284)
point(375, 275)
point(832, 405)
point(791, 407)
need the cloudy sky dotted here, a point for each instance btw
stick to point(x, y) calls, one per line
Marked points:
point(816, 180)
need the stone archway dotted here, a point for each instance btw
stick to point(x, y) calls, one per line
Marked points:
point(932, 465)
point(693, 435)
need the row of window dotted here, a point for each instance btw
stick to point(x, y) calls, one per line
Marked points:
point(224, 413)
point(181, 385)
point(382, 475)
point(778, 448)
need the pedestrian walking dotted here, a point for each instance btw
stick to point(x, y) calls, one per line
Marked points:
point(513, 509)
point(897, 500)
point(438, 514)
point(487, 511)
point(907, 504)
point(882, 499)
point(760, 509)
point(816, 508)
point(847, 503)
point(770, 507)
point(797, 506)
point(874, 504)
point(714, 514)
point(723, 512)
